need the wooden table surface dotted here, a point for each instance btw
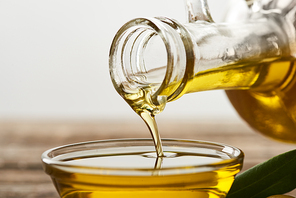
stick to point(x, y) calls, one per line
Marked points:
point(22, 143)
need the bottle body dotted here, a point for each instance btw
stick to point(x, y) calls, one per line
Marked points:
point(267, 99)
point(273, 112)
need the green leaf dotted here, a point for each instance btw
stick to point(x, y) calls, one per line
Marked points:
point(275, 176)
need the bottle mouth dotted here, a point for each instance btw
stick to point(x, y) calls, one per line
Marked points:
point(150, 52)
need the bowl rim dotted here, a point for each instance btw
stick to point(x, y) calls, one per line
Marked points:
point(236, 157)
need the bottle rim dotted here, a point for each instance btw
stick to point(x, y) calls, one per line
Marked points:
point(179, 49)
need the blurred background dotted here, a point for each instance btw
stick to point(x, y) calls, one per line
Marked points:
point(55, 88)
point(54, 60)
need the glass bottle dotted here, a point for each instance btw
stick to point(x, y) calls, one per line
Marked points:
point(252, 59)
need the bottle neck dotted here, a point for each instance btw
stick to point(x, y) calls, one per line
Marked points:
point(169, 57)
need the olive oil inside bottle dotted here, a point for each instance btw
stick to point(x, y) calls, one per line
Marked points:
point(263, 93)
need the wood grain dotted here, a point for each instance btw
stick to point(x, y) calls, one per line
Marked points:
point(23, 142)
